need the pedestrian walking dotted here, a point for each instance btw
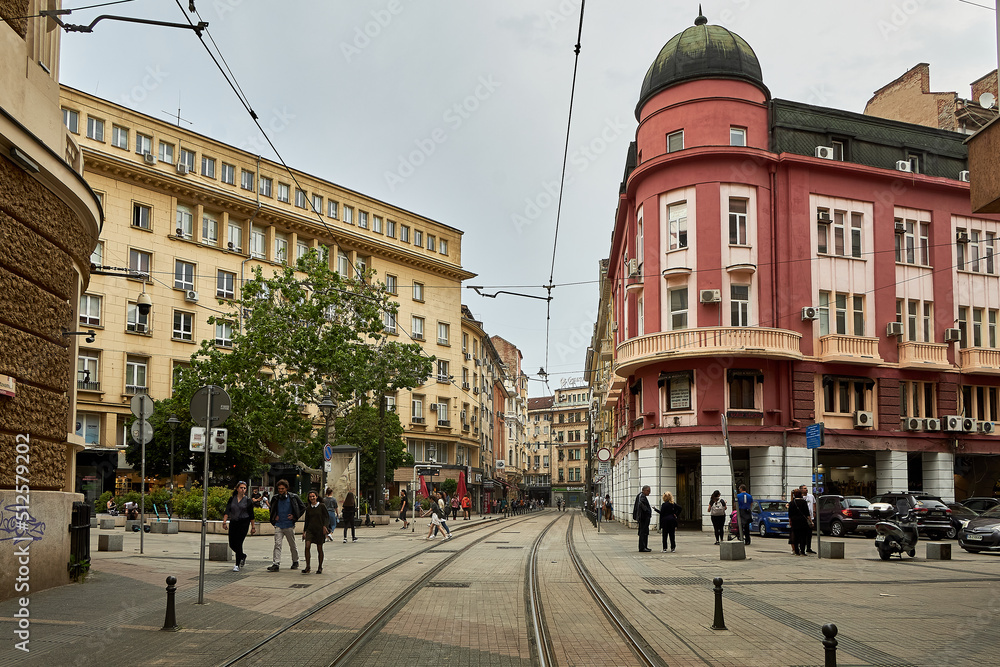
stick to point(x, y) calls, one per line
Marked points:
point(669, 513)
point(315, 530)
point(744, 501)
point(237, 519)
point(331, 507)
point(455, 504)
point(348, 512)
point(801, 524)
point(286, 508)
point(466, 507)
point(442, 518)
point(608, 509)
point(403, 505)
point(717, 510)
point(642, 513)
point(265, 501)
point(807, 495)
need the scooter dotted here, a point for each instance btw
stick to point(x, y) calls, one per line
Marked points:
point(894, 535)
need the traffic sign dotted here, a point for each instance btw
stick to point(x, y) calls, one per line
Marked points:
point(327, 453)
point(604, 468)
point(142, 431)
point(221, 406)
point(604, 454)
point(142, 406)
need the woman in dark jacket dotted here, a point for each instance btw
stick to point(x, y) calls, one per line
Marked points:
point(239, 516)
point(348, 510)
point(315, 529)
point(669, 511)
point(798, 519)
point(718, 511)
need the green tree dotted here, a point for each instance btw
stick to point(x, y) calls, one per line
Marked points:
point(360, 428)
point(449, 486)
point(297, 336)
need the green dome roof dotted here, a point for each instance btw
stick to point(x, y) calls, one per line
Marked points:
point(701, 52)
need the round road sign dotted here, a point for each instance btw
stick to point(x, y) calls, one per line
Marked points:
point(604, 454)
point(142, 431)
point(220, 410)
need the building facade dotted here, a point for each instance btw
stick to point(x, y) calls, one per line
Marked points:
point(775, 265)
point(50, 220)
point(514, 413)
point(558, 429)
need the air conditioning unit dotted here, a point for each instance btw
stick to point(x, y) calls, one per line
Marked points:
point(810, 313)
point(952, 335)
point(711, 296)
point(191, 295)
point(904, 165)
point(951, 423)
point(824, 152)
point(477, 362)
point(467, 355)
point(961, 237)
point(863, 419)
point(633, 268)
point(149, 158)
point(182, 169)
point(475, 390)
point(434, 407)
point(963, 176)
point(912, 424)
point(894, 329)
point(823, 217)
point(465, 386)
point(987, 428)
point(900, 227)
point(932, 425)
point(969, 425)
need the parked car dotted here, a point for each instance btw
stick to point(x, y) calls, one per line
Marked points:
point(844, 515)
point(933, 516)
point(769, 517)
point(960, 517)
point(980, 503)
point(982, 533)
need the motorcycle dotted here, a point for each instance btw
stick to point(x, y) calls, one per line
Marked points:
point(894, 535)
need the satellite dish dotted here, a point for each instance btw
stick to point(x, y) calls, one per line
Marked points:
point(987, 100)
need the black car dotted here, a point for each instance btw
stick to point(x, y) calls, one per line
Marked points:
point(844, 515)
point(960, 517)
point(933, 516)
point(982, 533)
point(980, 503)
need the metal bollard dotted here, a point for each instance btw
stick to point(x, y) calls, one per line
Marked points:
point(830, 644)
point(170, 621)
point(720, 621)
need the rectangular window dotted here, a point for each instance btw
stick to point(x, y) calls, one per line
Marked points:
point(390, 228)
point(838, 233)
point(135, 375)
point(88, 365)
point(301, 250)
point(331, 209)
point(390, 322)
point(208, 166)
point(963, 326)
point(363, 219)
point(166, 153)
point(143, 144)
point(90, 310)
point(266, 185)
point(224, 334)
point(737, 221)
point(677, 226)
point(857, 220)
point(418, 291)
point(225, 286)
point(119, 137)
point(317, 204)
point(141, 216)
point(95, 128)
point(404, 233)
point(343, 264)
point(822, 231)
point(71, 119)
point(442, 371)
point(377, 224)
point(916, 399)
point(912, 308)
point(187, 159)
point(300, 198)
point(988, 251)
point(257, 240)
point(348, 215)
point(183, 326)
point(678, 309)
point(185, 222)
point(236, 236)
point(183, 275)
point(980, 403)
point(675, 141)
point(846, 395)
point(417, 408)
point(246, 179)
point(418, 238)
point(360, 266)
point(977, 327)
point(443, 333)
point(229, 173)
point(283, 192)
point(209, 229)
point(739, 305)
point(135, 321)
point(417, 327)
point(390, 284)
point(858, 303)
point(431, 242)
point(841, 313)
point(742, 388)
point(737, 136)
point(992, 329)
point(139, 261)
point(280, 248)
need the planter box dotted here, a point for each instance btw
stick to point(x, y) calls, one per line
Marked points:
point(165, 528)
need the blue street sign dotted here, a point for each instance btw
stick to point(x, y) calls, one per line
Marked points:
point(814, 436)
point(327, 453)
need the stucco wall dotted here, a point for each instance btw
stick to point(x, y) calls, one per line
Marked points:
point(46, 556)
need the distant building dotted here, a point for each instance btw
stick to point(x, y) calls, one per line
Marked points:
point(559, 427)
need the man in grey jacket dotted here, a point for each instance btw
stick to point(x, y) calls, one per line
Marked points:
point(286, 508)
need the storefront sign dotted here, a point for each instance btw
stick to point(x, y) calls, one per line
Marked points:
point(8, 386)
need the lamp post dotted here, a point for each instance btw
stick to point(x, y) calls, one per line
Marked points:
point(172, 423)
point(326, 406)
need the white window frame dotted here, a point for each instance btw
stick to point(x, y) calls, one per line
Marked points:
point(135, 321)
point(228, 173)
point(225, 285)
point(738, 228)
point(119, 136)
point(284, 193)
point(679, 312)
point(443, 333)
point(208, 166)
point(166, 153)
point(675, 141)
point(418, 291)
point(187, 158)
point(183, 326)
point(331, 209)
point(417, 327)
point(95, 129)
point(142, 216)
point(236, 236)
point(184, 273)
point(247, 179)
point(677, 226)
point(71, 119)
point(209, 229)
point(737, 136)
point(258, 243)
point(224, 334)
point(143, 144)
point(136, 370)
point(90, 310)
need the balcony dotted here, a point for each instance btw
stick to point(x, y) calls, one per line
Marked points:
point(705, 342)
point(849, 349)
point(88, 385)
point(924, 355)
point(135, 389)
point(979, 360)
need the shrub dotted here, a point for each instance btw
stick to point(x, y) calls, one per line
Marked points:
point(261, 515)
point(395, 502)
point(102, 502)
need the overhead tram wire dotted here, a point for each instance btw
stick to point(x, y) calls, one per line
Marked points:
point(562, 182)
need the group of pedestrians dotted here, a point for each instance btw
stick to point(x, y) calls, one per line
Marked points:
point(801, 517)
point(439, 514)
point(669, 513)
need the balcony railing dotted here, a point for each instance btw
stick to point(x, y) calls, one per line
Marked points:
point(979, 360)
point(923, 355)
point(87, 385)
point(133, 389)
point(706, 342)
point(849, 349)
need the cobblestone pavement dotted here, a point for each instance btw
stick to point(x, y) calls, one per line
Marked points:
point(909, 612)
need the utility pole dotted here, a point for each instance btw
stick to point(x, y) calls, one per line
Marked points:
point(380, 470)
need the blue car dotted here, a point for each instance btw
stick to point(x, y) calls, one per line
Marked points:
point(769, 517)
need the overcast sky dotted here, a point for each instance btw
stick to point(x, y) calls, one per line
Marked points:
point(457, 109)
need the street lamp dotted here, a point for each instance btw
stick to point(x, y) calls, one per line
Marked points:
point(326, 406)
point(172, 423)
